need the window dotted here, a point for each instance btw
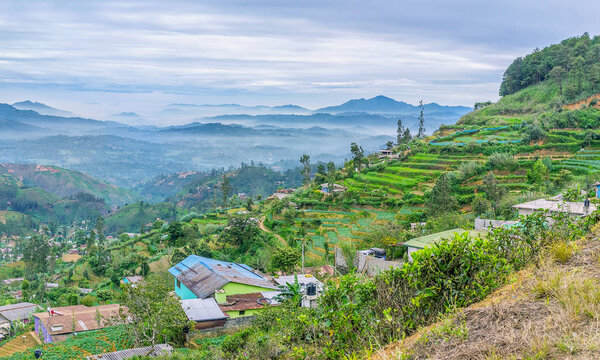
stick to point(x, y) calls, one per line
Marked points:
point(242, 312)
point(178, 283)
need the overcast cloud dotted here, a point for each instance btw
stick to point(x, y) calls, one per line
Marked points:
point(103, 57)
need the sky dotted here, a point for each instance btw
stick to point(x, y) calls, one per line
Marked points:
point(97, 58)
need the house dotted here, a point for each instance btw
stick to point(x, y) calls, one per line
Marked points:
point(421, 242)
point(58, 324)
point(11, 281)
point(573, 208)
point(487, 224)
point(197, 277)
point(206, 313)
point(15, 312)
point(310, 287)
point(387, 154)
point(147, 351)
point(132, 280)
point(51, 286)
point(282, 194)
point(337, 188)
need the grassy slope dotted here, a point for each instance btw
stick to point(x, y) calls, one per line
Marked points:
point(400, 187)
point(549, 311)
point(63, 182)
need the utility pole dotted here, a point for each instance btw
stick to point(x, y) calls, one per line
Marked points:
point(303, 256)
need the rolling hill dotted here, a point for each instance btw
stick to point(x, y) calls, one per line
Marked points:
point(64, 183)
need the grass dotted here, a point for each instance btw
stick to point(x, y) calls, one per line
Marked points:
point(549, 311)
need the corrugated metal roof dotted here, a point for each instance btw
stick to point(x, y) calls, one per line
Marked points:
point(201, 280)
point(203, 276)
point(202, 309)
point(160, 349)
point(212, 264)
point(20, 311)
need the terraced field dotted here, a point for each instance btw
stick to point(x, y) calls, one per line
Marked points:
point(583, 162)
point(338, 226)
point(415, 174)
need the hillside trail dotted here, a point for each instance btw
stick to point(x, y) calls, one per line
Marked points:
point(262, 226)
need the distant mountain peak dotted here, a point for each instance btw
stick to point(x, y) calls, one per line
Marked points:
point(127, 114)
point(40, 108)
point(380, 104)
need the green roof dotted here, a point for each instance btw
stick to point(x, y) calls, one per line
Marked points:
point(423, 241)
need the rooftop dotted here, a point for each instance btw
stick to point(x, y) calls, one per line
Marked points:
point(242, 302)
point(423, 241)
point(160, 349)
point(202, 309)
point(20, 311)
point(84, 318)
point(303, 279)
point(571, 207)
point(203, 276)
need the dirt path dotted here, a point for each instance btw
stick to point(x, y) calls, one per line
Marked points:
point(262, 226)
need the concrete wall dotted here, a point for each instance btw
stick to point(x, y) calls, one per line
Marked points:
point(372, 266)
point(231, 326)
point(410, 251)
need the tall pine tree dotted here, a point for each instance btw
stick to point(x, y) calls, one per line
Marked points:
point(400, 132)
point(421, 132)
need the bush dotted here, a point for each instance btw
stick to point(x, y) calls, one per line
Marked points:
point(501, 161)
point(88, 300)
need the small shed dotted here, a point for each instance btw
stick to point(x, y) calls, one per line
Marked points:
point(206, 313)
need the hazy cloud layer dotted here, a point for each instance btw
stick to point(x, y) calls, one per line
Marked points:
point(102, 57)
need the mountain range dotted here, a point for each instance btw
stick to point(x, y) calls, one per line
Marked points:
point(130, 155)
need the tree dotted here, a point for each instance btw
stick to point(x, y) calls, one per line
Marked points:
point(35, 254)
point(421, 132)
point(225, 189)
point(407, 137)
point(441, 199)
point(330, 167)
point(240, 231)
point(144, 269)
point(99, 230)
point(154, 315)
point(321, 169)
point(285, 259)
point(400, 132)
point(557, 73)
point(176, 234)
point(389, 145)
point(493, 191)
point(480, 205)
point(538, 174)
point(358, 154)
point(305, 161)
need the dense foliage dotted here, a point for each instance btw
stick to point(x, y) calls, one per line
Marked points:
point(574, 64)
point(356, 313)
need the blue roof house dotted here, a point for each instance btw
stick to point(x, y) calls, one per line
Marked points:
point(197, 277)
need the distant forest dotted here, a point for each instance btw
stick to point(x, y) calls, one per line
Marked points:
point(574, 64)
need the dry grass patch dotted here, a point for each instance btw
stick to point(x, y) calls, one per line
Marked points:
point(548, 311)
point(71, 258)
